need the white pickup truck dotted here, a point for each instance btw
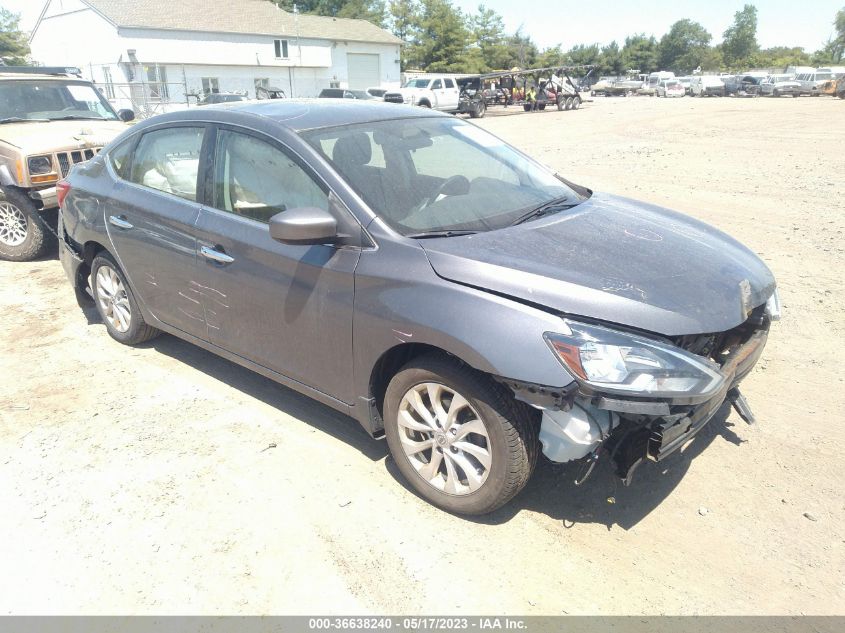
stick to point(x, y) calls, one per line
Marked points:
point(439, 93)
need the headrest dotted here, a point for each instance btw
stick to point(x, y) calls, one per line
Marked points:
point(352, 150)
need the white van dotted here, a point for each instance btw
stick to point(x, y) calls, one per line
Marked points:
point(707, 86)
point(812, 81)
point(654, 80)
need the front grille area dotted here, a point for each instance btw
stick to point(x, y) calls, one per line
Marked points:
point(718, 346)
point(66, 159)
point(393, 97)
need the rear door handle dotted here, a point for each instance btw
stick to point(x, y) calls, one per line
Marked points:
point(120, 222)
point(210, 252)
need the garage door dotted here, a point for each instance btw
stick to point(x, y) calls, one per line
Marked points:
point(363, 70)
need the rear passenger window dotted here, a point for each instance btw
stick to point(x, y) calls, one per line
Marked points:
point(257, 180)
point(449, 83)
point(168, 160)
point(119, 157)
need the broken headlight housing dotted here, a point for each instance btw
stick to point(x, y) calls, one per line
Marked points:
point(613, 361)
point(39, 165)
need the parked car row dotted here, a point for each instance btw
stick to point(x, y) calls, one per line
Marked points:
point(814, 82)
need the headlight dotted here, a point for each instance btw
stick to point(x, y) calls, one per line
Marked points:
point(773, 306)
point(39, 165)
point(619, 362)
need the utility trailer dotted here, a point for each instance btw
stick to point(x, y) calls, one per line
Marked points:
point(532, 89)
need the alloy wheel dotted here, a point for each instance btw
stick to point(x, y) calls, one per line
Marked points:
point(13, 225)
point(113, 300)
point(444, 438)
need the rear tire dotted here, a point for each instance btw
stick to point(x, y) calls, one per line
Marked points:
point(23, 236)
point(116, 303)
point(478, 110)
point(477, 463)
point(576, 103)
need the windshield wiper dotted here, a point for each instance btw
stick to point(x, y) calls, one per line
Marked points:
point(430, 234)
point(552, 206)
point(17, 119)
point(79, 117)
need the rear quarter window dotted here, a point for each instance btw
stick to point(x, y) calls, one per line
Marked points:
point(119, 158)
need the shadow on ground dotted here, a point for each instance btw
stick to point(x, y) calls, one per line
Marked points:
point(303, 408)
point(551, 490)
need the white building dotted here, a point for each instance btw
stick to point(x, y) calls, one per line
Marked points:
point(153, 53)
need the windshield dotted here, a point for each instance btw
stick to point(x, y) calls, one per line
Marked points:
point(417, 83)
point(438, 174)
point(673, 84)
point(52, 100)
point(361, 94)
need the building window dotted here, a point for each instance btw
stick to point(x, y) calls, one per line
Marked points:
point(109, 84)
point(281, 49)
point(157, 80)
point(210, 85)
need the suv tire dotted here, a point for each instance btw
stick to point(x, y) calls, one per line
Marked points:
point(23, 236)
point(499, 452)
point(116, 303)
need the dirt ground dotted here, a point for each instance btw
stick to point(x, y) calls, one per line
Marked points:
point(140, 481)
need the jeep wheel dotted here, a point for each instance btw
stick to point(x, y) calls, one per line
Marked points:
point(458, 438)
point(116, 303)
point(22, 234)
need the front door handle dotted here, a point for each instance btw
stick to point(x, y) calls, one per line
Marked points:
point(120, 222)
point(210, 252)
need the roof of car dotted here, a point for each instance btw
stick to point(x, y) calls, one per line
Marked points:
point(38, 77)
point(307, 114)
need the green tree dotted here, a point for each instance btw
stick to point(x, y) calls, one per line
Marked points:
point(442, 39)
point(780, 57)
point(488, 29)
point(553, 56)
point(372, 10)
point(683, 47)
point(611, 60)
point(522, 51)
point(14, 48)
point(740, 39)
point(583, 54)
point(404, 18)
point(640, 53)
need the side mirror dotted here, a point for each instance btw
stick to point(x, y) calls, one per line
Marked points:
point(304, 225)
point(126, 115)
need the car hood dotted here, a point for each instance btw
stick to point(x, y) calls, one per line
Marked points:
point(45, 138)
point(615, 260)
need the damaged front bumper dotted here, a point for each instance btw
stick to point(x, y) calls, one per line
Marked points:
point(578, 424)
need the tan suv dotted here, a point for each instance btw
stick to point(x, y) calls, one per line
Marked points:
point(49, 120)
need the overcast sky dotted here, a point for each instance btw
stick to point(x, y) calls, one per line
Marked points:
point(549, 22)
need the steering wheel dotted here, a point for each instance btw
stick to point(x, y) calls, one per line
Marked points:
point(449, 183)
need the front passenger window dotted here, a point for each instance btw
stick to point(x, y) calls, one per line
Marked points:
point(168, 160)
point(257, 180)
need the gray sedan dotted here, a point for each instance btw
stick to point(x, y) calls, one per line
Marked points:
point(421, 275)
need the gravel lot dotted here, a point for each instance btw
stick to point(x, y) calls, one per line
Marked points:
point(140, 480)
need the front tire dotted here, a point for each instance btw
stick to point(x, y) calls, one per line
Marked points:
point(23, 236)
point(116, 303)
point(458, 438)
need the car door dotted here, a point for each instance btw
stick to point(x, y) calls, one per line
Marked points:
point(150, 218)
point(285, 307)
point(451, 93)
